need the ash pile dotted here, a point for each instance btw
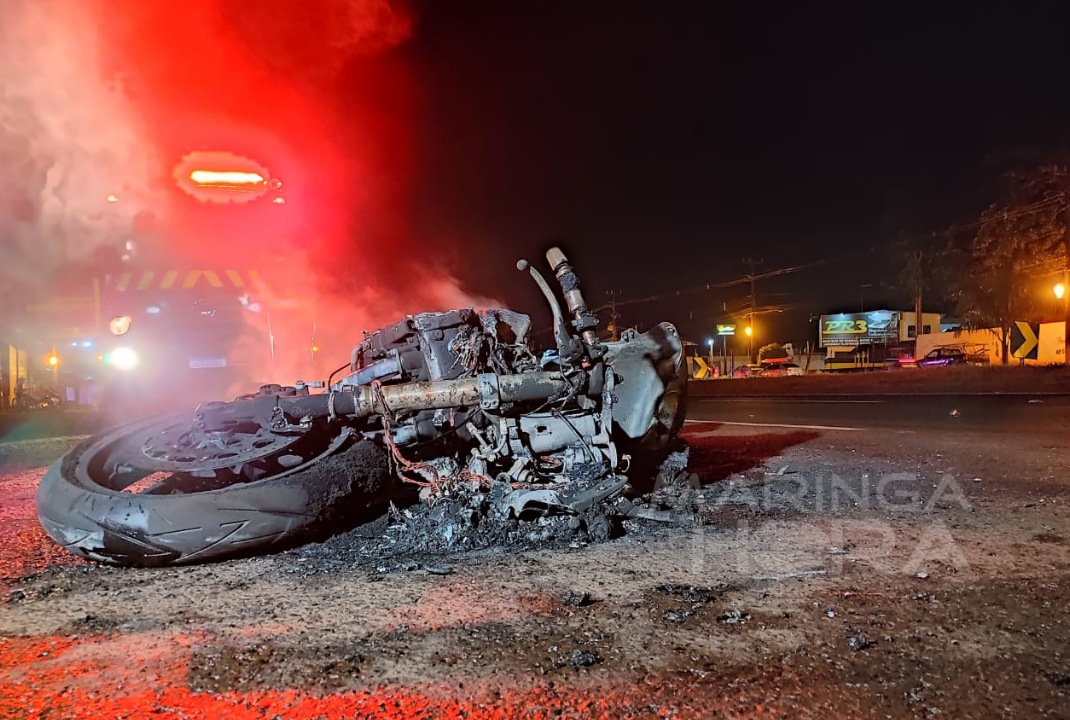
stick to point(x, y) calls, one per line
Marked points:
point(591, 506)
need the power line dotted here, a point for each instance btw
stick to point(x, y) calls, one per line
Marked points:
point(714, 286)
point(953, 230)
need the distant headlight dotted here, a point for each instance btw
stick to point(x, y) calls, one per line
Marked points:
point(122, 358)
point(119, 325)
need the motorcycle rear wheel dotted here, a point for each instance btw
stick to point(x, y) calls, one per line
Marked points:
point(183, 519)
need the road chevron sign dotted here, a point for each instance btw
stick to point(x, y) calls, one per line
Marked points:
point(1024, 340)
point(699, 369)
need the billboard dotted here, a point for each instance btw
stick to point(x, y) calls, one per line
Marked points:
point(850, 329)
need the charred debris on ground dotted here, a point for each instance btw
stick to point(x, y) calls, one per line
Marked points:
point(425, 533)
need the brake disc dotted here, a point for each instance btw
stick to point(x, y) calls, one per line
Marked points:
point(178, 446)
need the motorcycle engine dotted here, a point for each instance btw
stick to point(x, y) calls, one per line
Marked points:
point(442, 346)
point(520, 442)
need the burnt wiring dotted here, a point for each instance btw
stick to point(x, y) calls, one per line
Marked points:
point(436, 481)
point(404, 464)
point(330, 378)
point(573, 391)
point(466, 475)
point(476, 349)
point(579, 436)
point(332, 395)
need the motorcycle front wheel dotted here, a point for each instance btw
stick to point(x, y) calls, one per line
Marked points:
point(96, 502)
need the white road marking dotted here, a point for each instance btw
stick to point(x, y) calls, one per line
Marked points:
point(786, 400)
point(837, 402)
point(772, 425)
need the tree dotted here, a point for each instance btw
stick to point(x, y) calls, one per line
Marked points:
point(927, 271)
point(772, 350)
point(1015, 243)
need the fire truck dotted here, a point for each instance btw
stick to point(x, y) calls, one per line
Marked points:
point(154, 327)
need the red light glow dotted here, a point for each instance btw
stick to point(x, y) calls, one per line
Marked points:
point(225, 177)
point(243, 95)
point(219, 176)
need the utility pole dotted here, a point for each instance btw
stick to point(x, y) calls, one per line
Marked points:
point(1066, 286)
point(613, 327)
point(753, 302)
point(916, 265)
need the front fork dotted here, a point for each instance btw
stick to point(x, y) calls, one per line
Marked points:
point(274, 408)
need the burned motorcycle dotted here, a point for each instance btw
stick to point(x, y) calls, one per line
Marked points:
point(437, 402)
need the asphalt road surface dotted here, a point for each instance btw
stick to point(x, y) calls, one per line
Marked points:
point(16, 426)
point(1005, 414)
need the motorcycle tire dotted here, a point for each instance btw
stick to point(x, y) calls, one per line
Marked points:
point(334, 493)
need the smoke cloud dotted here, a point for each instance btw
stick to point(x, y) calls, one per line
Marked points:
point(99, 101)
point(69, 142)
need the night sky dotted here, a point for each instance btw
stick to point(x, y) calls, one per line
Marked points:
point(662, 143)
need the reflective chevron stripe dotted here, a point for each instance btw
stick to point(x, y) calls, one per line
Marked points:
point(188, 280)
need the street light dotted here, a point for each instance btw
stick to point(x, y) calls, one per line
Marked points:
point(749, 332)
point(53, 364)
point(1061, 294)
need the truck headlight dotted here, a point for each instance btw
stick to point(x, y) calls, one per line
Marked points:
point(122, 358)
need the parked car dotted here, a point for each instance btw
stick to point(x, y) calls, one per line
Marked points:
point(782, 368)
point(744, 371)
point(943, 356)
point(963, 354)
